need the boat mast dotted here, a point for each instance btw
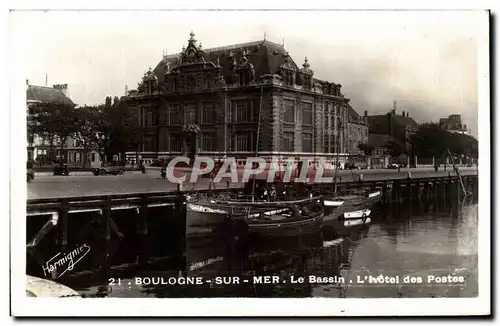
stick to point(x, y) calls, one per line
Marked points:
point(457, 173)
point(257, 140)
point(335, 146)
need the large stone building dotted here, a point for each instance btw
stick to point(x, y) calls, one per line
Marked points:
point(224, 90)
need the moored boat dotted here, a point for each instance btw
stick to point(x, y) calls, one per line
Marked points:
point(353, 206)
point(302, 217)
point(204, 214)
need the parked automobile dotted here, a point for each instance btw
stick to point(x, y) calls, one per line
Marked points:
point(160, 162)
point(394, 166)
point(30, 174)
point(61, 169)
point(110, 169)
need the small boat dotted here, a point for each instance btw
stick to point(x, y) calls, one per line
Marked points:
point(302, 217)
point(353, 206)
point(204, 214)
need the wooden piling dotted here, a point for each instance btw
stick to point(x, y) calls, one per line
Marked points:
point(180, 216)
point(106, 214)
point(142, 223)
point(63, 226)
point(384, 193)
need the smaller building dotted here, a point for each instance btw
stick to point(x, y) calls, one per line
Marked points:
point(453, 124)
point(39, 149)
point(398, 126)
point(357, 131)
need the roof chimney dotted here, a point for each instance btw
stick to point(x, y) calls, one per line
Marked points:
point(403, 114)
point(62, 87)
point(366, 113)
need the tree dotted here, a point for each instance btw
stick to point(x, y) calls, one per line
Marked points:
point(53, 120)
point(89, 119)
point(366, 148)
point(119, 128)
point(395, 149)
point(433, 141)
point(190, 132)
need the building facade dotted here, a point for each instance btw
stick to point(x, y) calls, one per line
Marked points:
point(357, 132)
point(454, 124)
point(399, 127)
point(242, 97)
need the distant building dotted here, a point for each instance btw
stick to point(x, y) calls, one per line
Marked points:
point(221, 91)
point(399, 127)
point(453, 124)
point(357, 131)
point(38, 148)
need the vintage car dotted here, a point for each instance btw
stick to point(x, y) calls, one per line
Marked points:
point(110, 169)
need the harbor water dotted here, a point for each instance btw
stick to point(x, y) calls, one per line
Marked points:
point(408, 250)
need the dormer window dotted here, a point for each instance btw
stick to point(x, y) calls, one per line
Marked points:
point(191, 83)
point(307, 82)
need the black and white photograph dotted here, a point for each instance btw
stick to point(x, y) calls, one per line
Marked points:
point(249, 162)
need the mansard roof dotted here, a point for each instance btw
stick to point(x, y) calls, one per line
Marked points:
point(266, 58)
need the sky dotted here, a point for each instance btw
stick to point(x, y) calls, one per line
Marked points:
point(427, 61)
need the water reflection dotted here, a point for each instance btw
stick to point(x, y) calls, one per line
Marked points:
point(414, 240)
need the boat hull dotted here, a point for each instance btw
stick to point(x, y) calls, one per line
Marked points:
point(357, 222)
point(307, 225)
point(202, 221)
point(350, 208)
point(361, 214)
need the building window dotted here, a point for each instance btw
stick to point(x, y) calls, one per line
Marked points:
point(242, 142)
point(190, 114)
point(207, 113)
point(93, 157)
point(288, 142)
point(207, 142)
point(332, 144)
point(289, 114)
point(244, 78)
point(307, 82)
point(191, 83)
point(307, 143)
point(149, 143)
point(288, 77)
point(206, 81)
point(174, 115)
point(175, 143)
point(149, 117)
point(307, 116)
point(241, 111)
